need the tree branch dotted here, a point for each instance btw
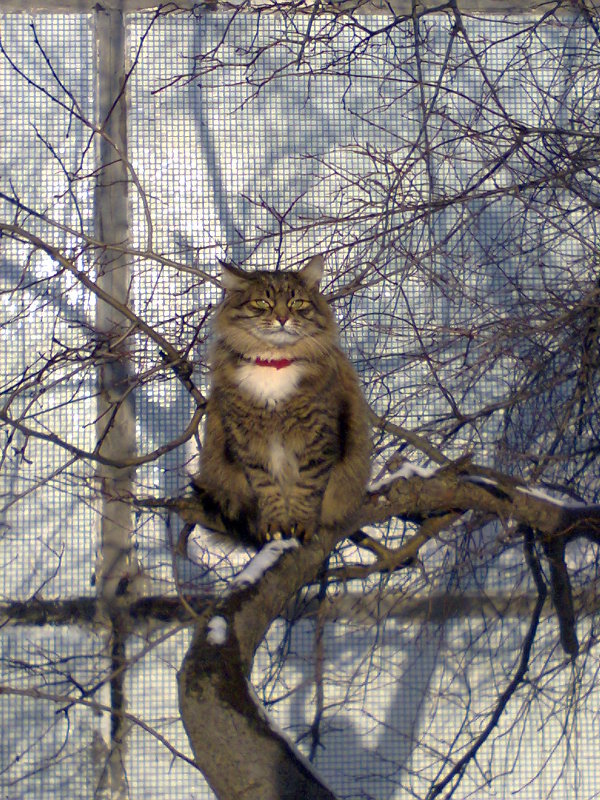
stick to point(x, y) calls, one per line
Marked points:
point(238, 749)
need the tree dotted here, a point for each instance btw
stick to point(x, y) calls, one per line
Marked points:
point(459, 224)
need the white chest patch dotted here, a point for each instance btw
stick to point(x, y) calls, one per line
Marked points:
point(268, 384)
point(283, 464)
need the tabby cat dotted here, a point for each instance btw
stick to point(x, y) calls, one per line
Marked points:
point(287, 442)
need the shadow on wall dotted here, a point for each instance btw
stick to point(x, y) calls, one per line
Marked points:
point(353, 761)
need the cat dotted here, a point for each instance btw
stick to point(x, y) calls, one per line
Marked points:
point(287, 446)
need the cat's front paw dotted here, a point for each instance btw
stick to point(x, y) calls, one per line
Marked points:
point(302, 531)
point(272, 535)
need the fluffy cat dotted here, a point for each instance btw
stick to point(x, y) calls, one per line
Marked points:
point(287, 442)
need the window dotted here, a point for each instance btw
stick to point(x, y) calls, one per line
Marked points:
point(447, 165)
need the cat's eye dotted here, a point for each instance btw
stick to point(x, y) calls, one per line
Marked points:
point(260, 302)
point(296, 303)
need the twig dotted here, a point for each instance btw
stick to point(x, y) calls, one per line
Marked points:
point(69, 700)
point(458, 769)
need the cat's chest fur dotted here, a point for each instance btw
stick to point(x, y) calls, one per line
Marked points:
point(268, 385)
point(282, 461)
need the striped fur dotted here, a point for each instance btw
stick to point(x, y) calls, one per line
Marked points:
point(286, 450)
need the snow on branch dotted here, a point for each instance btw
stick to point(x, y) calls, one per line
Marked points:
point(262, 561)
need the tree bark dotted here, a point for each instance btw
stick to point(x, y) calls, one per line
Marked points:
point(239, 752)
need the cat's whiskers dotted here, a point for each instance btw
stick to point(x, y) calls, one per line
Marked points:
point(319, 345)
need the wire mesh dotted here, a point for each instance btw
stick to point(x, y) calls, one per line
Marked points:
point(249, 147)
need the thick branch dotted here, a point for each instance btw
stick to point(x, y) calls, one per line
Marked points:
point(141, 615)
point(460, 487)
point(445, 493)
point(240, 753)
point(562, 595)
point(236, 748)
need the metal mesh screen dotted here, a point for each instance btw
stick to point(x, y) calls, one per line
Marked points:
point(35, 541)
point(241, 151)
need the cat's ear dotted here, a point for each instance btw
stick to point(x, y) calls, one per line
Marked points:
point(233, 279)
point(312, 273)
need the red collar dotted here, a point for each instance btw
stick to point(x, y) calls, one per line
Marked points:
point(278, 363)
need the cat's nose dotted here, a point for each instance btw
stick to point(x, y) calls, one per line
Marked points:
point(282, 320)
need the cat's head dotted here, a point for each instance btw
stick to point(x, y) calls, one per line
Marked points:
point(271, 313)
